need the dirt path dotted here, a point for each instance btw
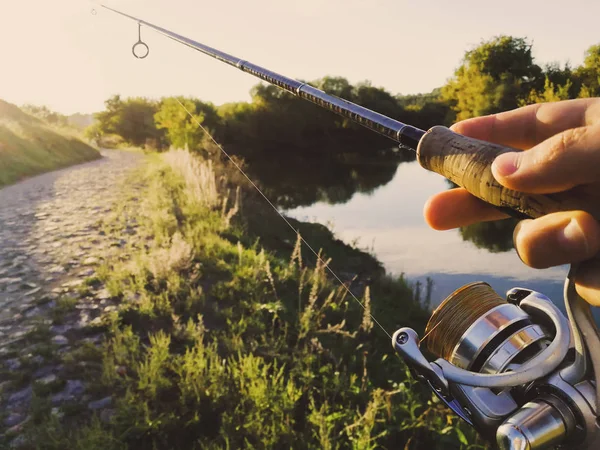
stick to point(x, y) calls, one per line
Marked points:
point(51, 240)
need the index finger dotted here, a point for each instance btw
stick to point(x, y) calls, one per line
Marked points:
point(525, 127)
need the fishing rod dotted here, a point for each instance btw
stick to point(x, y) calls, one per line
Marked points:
point(521, 373)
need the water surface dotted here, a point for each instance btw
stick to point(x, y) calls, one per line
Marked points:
point(389, 222)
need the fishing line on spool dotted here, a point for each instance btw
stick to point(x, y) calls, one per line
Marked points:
point(282, 216)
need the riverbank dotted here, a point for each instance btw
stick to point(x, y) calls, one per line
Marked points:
point(220, 330)
point(29, 147)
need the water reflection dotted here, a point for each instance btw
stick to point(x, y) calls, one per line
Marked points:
point(389, 221)
point(297, 179)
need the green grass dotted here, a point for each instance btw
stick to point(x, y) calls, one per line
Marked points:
point(29, 147)
point(228, 337)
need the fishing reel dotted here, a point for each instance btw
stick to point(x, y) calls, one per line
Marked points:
point(516, 369)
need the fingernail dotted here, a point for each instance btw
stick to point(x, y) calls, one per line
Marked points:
point(516, 232)
point(573, 239)
point(506, 164)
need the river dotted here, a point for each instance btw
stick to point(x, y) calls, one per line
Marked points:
point(389, 223)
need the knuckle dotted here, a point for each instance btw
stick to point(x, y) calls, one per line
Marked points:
point(566, 141)
point(590, 229)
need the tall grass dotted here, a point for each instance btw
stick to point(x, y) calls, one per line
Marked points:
point(221, 343)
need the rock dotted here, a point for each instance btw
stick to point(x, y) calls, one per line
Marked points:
point(43, 372)
point(12, 364)
point(87, 273)
point(13, 419)
point(48, 379)
point(96, 322)
point(22, 396)
point(100, 404)
point(57, 269)
point(57, 413)
point(60, 329)
point(33, 312)
point(60, 340)
point(10, 280)
point(73, 283)
point(103, 294)
point(73, 389)
point(90, 261)
point(93, 339)
point(32, 292)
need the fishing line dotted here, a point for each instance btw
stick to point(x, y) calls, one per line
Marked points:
point(282, 216)
point(376, 121)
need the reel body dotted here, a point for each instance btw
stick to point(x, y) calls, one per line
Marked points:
point(516, 370)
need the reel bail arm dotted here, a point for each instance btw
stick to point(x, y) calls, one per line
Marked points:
point(528, 394)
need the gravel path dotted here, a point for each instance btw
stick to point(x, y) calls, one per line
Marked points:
point(49, 227)
point(52, 239)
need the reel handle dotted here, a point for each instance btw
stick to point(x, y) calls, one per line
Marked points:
point(468, 163)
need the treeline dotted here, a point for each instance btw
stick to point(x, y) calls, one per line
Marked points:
point(273, 120)
point(498, 75)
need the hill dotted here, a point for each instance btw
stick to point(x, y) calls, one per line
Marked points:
point(29, 146)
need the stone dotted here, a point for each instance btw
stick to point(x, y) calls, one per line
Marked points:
point(103, 294)
point(96, 322)
point(87, 273)
point(43, 372)
point(13, 419)
point(57, 413)
point(60, 329)
point(22, 396)
point(57, 269)
point(32, 292)
point(72, 390)
point(48, 379)
point(90, 261)
point(60, 340)
point(100, 404)
point(72, 283)
point(10, 280)
point(12, 364)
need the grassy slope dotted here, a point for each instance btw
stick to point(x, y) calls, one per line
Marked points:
point(228, 337)
point(29, 147)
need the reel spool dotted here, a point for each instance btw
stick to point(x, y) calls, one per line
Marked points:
point(477, 330)
point(508, 368)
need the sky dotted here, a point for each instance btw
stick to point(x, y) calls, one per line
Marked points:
point(59, 54)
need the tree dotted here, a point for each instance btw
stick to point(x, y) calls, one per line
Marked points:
point(132, 119)
point(494, 77)
point(45, 114)
point(182, 130)
point(589, 73)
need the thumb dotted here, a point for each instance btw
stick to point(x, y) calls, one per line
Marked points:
point(587, 281)
point(559, 163)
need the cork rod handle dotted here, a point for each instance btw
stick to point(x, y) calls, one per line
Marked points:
point(467, 162)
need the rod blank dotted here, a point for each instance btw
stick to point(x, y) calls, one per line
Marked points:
point(406, 135)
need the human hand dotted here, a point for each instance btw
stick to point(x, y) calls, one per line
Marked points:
point(562, 140)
